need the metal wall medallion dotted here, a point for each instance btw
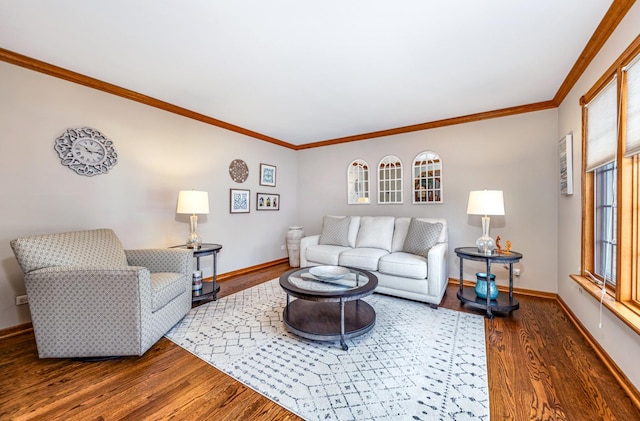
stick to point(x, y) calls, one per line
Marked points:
point(238, 170)
point(86, 151)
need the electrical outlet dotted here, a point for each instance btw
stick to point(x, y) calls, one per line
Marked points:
point(21, 299)
point(516, 271)
point(282, 247)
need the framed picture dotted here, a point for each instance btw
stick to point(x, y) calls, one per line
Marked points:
point(267, 175)
point(566, 164)
point(266, 201)
point(239, 202)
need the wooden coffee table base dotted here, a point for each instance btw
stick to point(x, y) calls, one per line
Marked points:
point(322, 321)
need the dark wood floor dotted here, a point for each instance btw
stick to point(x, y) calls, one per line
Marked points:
point(540, 368)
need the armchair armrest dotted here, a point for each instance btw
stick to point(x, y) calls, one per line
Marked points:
point(162, 260)
point(81, 310)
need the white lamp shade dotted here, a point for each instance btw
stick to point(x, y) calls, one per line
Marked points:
point(485, 202)
point(193, 202)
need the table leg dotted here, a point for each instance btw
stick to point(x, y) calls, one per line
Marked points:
point(342, 342)
point(489, 313)
point(510, 283)
point(215, 276)
point(461, 260)
point(287, 307)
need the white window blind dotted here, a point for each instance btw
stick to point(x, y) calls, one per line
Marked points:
point(632, 140)
point(602, 127)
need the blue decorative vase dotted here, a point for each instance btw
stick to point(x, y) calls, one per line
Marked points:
point(481, 286)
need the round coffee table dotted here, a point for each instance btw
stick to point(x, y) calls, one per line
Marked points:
point(328, 306)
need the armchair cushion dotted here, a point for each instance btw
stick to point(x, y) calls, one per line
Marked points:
point(164, 288)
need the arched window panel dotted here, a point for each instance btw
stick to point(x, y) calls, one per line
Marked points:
point(427, 178)
point(358, 183)
point(390, 180)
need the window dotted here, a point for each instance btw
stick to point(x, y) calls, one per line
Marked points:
point(611, 185)
point(605, 224)
point(390, 180)
point(427, 178)
point(601, 146)
point(358, 183)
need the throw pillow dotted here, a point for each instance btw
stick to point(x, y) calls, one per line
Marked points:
point(421, 236)
point(335, 231)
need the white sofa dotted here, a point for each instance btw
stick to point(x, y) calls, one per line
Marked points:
point(408, 255)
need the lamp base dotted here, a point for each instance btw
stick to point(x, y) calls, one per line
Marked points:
point(485, 244)
point(194, 241)
point(194, 246)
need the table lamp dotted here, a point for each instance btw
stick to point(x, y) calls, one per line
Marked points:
point(193, 202)
point(485, 202)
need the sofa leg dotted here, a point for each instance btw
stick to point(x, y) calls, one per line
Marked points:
point(433, 306)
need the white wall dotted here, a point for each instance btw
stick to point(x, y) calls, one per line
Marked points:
point(516, 154)
point(159, 154)
point(619, 341)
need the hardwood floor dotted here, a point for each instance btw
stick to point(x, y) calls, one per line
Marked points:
point(540, 368)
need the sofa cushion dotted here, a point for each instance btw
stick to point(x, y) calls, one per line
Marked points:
point(335, 231)
point(165, 286)
point(325, 254)
point(354, 227)
point(376, 232)
point(362, 258)
point(400, 233)
point(403, 264)
point(421, 236)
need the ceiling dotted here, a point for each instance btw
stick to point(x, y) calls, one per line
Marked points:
point(309, 71)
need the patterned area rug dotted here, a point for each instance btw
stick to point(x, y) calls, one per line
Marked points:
point(416, 364)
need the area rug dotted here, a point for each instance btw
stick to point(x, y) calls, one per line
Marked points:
point(417, 363)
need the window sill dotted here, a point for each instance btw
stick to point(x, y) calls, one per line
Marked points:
point(621, 310)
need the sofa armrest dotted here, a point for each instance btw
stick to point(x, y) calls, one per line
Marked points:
point(306, 242)
point(437, 266)
point(162, 260)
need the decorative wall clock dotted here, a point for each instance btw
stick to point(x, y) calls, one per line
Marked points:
point(238, 170)
point(86, 151)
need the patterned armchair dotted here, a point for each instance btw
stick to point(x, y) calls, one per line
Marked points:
point(90, 298)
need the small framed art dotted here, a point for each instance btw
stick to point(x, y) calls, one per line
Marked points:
point(266, 201)
point(239, 202)
point(566, 164)
point(267, 175)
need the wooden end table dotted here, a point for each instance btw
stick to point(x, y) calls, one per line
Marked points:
point(209, 290)
point(467, 295)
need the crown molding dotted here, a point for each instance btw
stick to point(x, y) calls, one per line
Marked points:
point(504, 112)
point(608, 24)
point(70, 76)
point(610, 21)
